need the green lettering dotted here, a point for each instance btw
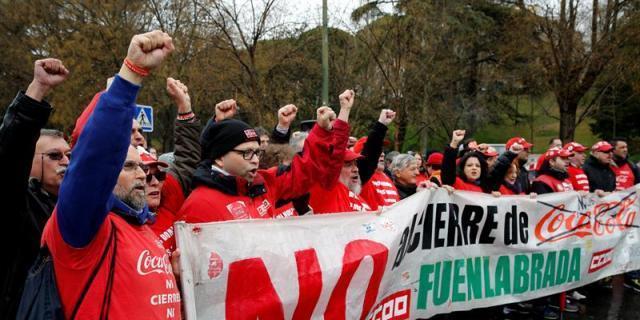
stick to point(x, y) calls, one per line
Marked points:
point(488, 291)
point(563, 267)
point(443, 283)
point(537, 259)
point(426, 285)
point(458, 279)
point(503, 276)
point(549, 270)
point(521, 274)
point(474, 278)
point(574, 267)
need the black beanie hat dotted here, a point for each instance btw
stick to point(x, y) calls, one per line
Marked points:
point(218, 138)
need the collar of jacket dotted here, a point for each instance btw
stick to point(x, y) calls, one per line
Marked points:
point(137, 217)
point(515, 187)
point(593, 161)
point(43, 195)
point(229, 184)
point(560, 175)
point(619, 161)
point(407, 190)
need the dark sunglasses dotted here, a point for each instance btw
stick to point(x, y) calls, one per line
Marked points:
point(249, 153)
point(160, 175)
point(57, 155)
point(131, 165)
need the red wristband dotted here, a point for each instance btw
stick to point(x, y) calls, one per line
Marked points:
point(136, 69)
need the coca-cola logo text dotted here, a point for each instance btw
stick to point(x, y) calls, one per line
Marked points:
point(602, 219)
point(148, 263)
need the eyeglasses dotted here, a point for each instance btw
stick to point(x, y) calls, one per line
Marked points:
point(57, 155)
point(249, 153)
point(131, 165)
point(160, 175)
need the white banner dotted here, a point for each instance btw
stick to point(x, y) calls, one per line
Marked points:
point(429, 254)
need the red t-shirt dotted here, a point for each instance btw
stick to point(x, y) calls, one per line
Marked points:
point(338, 199)
point(578, 179)
point(379, 191)
point(143, 283)
point(624, 176)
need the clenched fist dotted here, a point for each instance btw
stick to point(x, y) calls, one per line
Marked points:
point(386, 116)
point(226, 109)
point(148, 50)
point(325, 117)
point(347, 98)
point(457, 137)
point(286, 115)
point(47, 73)
point(179, 92)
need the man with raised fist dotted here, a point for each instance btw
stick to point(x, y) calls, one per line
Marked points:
point(107, 260)
point(27, 151)
point(228, 184)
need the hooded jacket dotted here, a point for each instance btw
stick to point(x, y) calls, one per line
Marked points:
point(601, 176)
point(218, 196)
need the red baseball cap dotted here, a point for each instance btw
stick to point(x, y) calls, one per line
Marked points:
point(557, 152)
point(602, 146)
point(490, 152)
point(357, 148)
point(350, 156)
point(435, 159)
point(574, 147)
point(148, 159)
point(519, 140)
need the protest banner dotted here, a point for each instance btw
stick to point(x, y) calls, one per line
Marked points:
point(430, 254)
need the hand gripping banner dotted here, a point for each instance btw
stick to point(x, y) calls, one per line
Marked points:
point(432, 253)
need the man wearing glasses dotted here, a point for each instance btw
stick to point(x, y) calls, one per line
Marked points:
point(228, 184)
point(26, 151)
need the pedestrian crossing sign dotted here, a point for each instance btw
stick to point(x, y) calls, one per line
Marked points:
point(144, 115)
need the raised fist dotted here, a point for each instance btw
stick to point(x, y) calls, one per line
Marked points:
point(180, 95)
point(456, 137)
point(47, 73)
point(346, 99)
point(148, 50)
point(286, 115)
point(226, 109)
point(325, 117)
point(386, 116)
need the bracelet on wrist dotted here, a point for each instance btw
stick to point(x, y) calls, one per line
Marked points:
point(186, 117)
point(185, 113)
point(143, 72)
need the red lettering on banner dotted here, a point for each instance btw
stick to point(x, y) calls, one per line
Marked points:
point(394, 307)
point(600, 260)
point(250, 292)
point(310, 283)
point(604, 219)
point(252, 297)
point(354, 253)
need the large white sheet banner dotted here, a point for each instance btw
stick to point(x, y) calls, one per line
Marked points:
point(429, 254)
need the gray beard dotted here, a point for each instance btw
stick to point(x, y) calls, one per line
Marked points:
point(130, 199)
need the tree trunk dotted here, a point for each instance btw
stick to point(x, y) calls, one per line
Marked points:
point(568, 110)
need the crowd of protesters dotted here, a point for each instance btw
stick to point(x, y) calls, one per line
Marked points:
point(113, 203)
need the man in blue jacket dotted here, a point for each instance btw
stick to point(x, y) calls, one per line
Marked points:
point(107, 260)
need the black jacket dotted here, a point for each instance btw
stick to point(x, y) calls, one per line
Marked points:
point(600, 176)
point(26, 208)
point(541, 187)
point(500, 169)
point(405, 191)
